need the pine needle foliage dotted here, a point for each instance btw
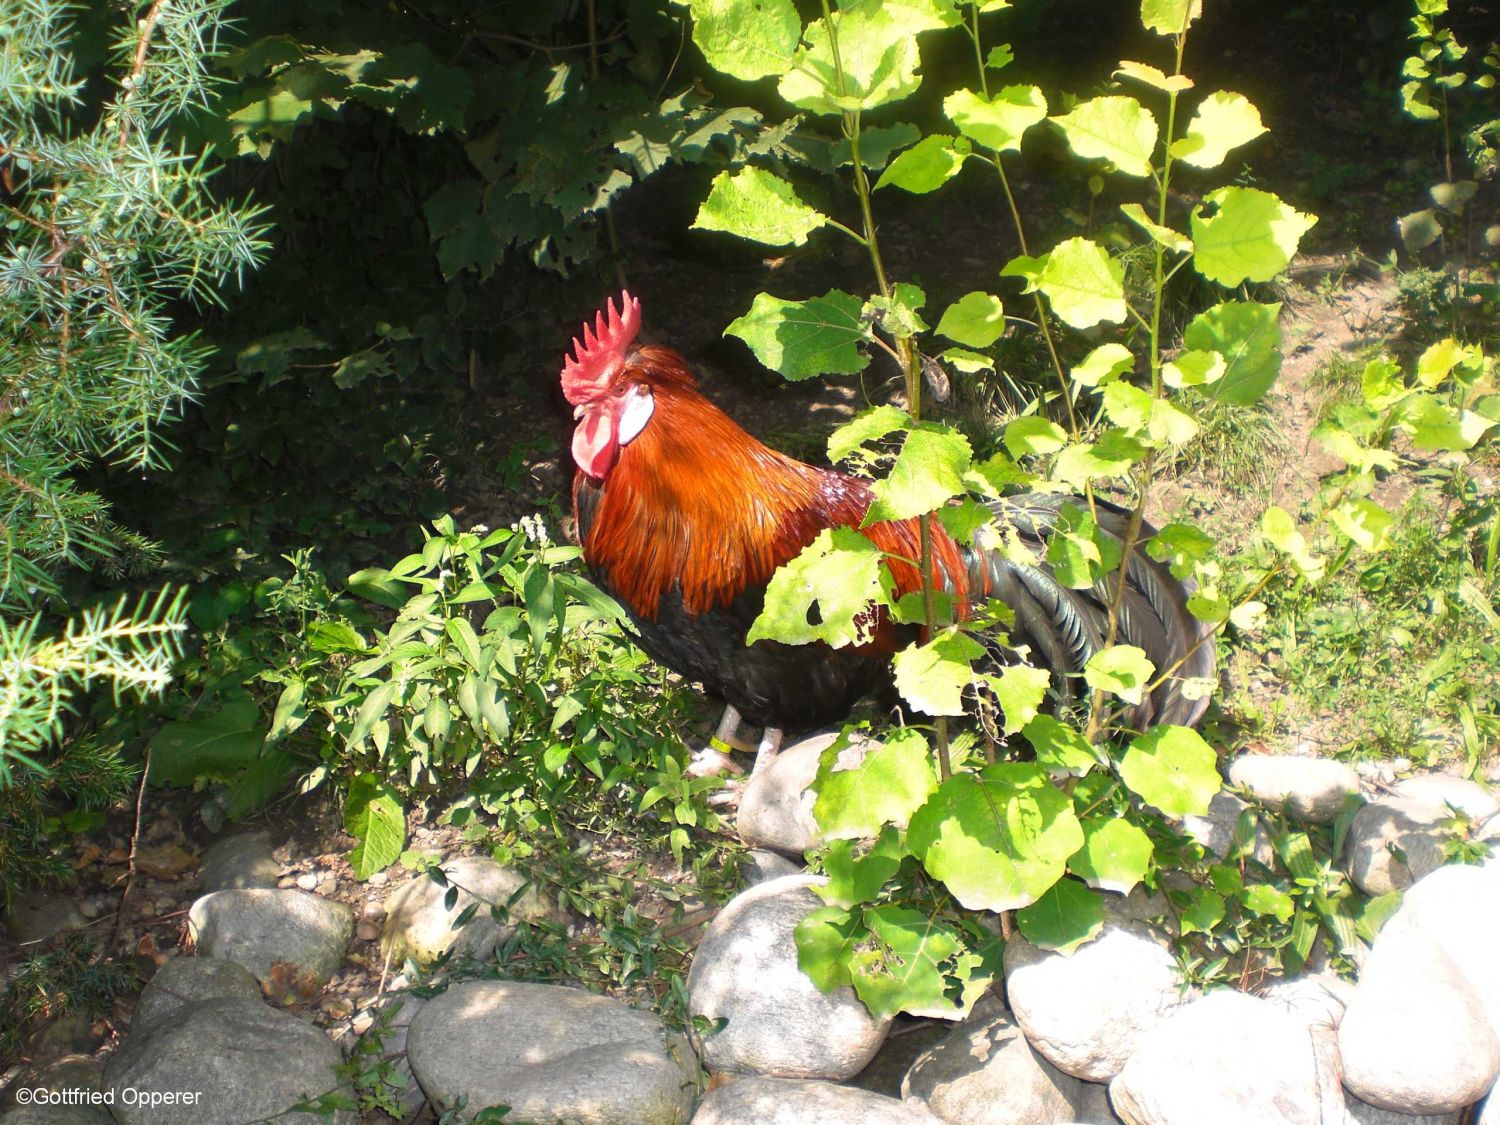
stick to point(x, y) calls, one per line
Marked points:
point(106, 223)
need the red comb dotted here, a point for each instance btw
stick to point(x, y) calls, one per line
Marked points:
point(600, 350)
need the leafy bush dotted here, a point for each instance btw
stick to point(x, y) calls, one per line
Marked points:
point(928, 829)
point(503, 685)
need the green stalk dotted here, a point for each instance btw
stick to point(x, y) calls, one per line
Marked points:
point(1148, 466)
point(1015, 217)
point(907, 356)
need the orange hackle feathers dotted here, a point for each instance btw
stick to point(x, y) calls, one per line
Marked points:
point(599, 352)
point(698, 501)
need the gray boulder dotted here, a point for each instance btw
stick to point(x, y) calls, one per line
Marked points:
point(260, 928)
point(224, 1062)
point(1224, 1057)
point(552, 1054)
point(788, 1101)
point(1084, 1012)
point(985, 1073)
point(188, 980)
point(776, 1021)
point(418, 925)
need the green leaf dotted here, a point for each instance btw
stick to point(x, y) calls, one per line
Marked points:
point(825, 943)
point(1419, 229)
point(817, 595)
point(1169, 17)
point(1251, 237)
point(1068, 915)
point(961, 359)
point(927, 165)
point(1142, 415)
point(1078, 554)
point(857, 874)
point(1154, 77)
point(866, 426)
point(1365, 522)
point(1173, 769)
point(931, 676)
point(878, 58)
point(377, 585)
point(370, 712)
point(906, 963)
point(1083, 283)
point(1060, 750)
point(373, 815)
point(216, 745)
point(1264, 899)
point(1000, 122)
point(291, 712)
point(1103, 365)
point(1122, 670)
point(1020, 690)
point(1224, 121)
point(1114, 128)
point(893, 780)
point(1204, 913)
point(801, 339)
point(997, 839)
point(928, 472)
point(1280, 530)
point(746, 39)
point(1031, 434)
point(1248, 335)
point(1111, 456)
point(975, 320)
point(1435, 426)
point(1194, 369)
point(1166, 236)
point(757, 205)
point(1116, 854)
point(899, 314)
point(1439, 359)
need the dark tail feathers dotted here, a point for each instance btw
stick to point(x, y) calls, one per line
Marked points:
point(1065, 627)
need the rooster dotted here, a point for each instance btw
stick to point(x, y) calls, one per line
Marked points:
point(683, 517)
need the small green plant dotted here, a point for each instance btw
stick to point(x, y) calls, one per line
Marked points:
point(503, 687)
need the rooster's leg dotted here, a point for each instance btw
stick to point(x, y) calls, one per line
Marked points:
point(714, 758)
point(770, 746)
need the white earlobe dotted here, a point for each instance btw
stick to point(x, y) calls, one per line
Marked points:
point(639, 405)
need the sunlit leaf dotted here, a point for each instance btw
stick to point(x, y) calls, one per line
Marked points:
point(818, 595)
point(996, 123)
point(746, 39)
point(998, 839)
point(801, 339)
point(932, 675)
point(893, 780)
point(975, 319)
point(1122, 670)
point(1248, 335)
point(928, 472)
point(1084, 285)
point(757, 205)
point(1252, 235)
point(1224, 121)
point(1116, 854)
point(1172, 769)
point(1114, 128)
point(927, 165)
